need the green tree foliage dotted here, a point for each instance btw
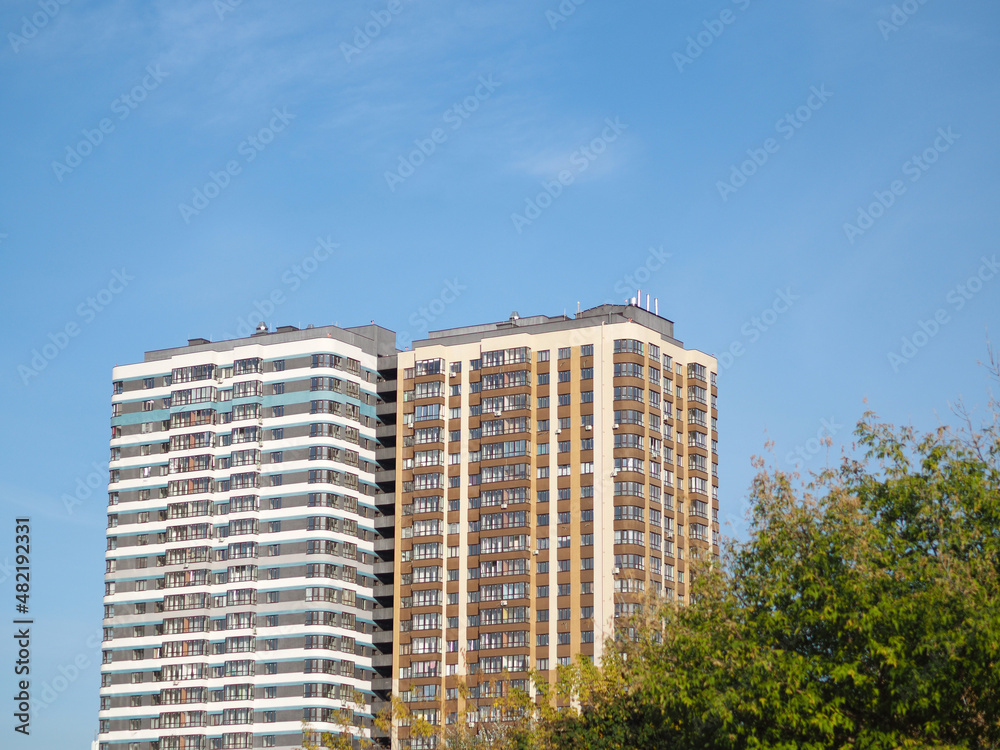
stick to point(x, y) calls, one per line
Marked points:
point(862, 611)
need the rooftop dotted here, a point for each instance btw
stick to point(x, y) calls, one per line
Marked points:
point(371, 339)
point(593, 316)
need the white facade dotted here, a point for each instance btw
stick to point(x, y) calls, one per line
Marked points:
point(241, 541)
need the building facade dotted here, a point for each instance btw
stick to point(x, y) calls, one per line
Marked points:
point(305, 523)
point(241, 541)
point(551, 473)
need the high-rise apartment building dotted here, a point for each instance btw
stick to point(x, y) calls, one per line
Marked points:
point(551, 472)
point(304, 522)
point(241, 540)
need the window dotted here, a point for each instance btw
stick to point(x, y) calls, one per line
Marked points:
point(630, 346)
point(426, 412)
point(543, 425)
point(543, 402)
point(542, 639)
point(587, 350)
point(564, 376)
point(564, 352)
point(543, 378)
point(278, 388)
point(543, 519)
point(543, 356)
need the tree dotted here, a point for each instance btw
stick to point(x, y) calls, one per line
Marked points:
point(862, 611)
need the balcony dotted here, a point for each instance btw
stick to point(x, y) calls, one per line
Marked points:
point(385, 545)
point(382, 661)
point(383, 613)
point(384, 568)
point(382, 590)
point(380, 637)
point(385, 522)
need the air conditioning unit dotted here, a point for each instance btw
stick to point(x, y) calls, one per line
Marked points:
point(503, 602)
point(617, 571)
point(497, 413)
point(503, 505)
point(589, 427)
point(616, 425)
point(614, 472)
point(536, 552)
point(558, 430)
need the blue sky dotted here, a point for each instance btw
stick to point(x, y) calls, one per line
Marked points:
point(746, 135)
